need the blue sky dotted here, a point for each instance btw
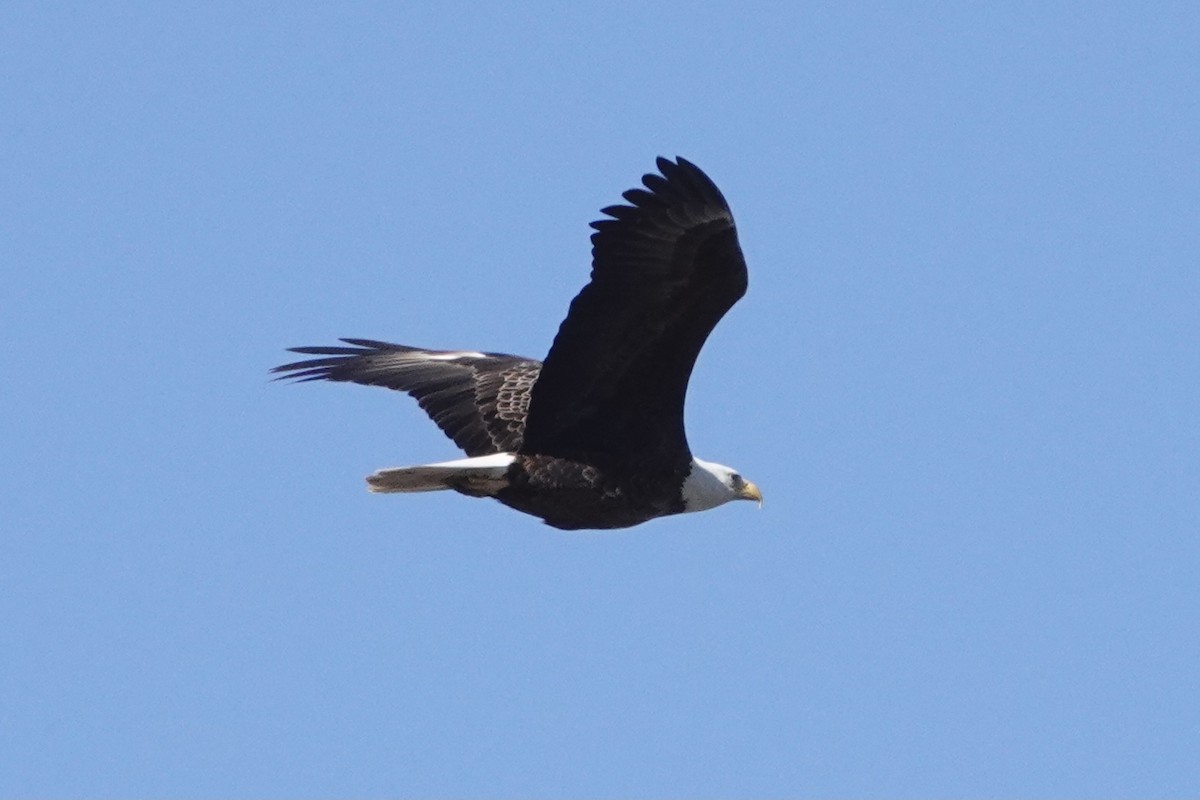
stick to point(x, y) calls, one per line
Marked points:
point(965, 377)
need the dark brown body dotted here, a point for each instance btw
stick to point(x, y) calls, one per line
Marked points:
point(574, 496)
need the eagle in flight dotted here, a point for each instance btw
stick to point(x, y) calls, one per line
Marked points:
point(592, 437)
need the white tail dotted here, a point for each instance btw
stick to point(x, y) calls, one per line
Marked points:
point(480, 476)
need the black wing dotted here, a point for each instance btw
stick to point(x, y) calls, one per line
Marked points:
point(478, 399)
point(665, 270)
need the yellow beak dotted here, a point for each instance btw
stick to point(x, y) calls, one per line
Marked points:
point(750, 492)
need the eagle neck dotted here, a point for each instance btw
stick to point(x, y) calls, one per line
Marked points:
point(705, 486)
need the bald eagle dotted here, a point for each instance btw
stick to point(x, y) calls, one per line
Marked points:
point(592, 437)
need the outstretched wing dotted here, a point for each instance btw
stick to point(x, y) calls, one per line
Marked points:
point(479, 400)
point(665, 269)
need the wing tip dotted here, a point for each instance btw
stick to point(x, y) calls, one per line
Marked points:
point(677, 184)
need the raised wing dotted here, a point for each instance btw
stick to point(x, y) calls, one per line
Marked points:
point(479, 400)
point(665, 269)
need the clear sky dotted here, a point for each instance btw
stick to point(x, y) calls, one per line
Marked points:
point(965, 377)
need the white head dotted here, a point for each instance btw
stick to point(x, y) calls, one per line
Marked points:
point(709, 485)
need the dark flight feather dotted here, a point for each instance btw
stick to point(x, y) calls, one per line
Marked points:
point(479, 400)
point(665, 269)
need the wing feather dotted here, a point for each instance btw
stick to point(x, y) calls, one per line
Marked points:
point(665, 269)
point(479, 400)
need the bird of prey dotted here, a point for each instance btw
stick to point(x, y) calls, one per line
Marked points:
point(592, 437)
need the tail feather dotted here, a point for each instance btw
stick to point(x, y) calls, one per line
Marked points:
point(480, 476)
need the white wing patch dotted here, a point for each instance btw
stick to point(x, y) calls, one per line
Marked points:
point(450, 356)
